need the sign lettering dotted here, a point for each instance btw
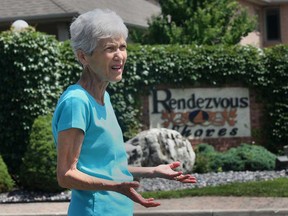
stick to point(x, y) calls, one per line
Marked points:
point(201, 112)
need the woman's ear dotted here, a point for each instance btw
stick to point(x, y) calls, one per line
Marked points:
point(82, 57)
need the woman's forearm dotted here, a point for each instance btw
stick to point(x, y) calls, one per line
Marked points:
point(142, 172)
point(75, 179)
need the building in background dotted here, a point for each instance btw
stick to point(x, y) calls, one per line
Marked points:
point(54, 16)
point(272, 17)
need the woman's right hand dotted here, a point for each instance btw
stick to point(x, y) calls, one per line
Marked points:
point(128, 189)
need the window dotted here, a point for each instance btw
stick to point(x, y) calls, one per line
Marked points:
point(273, 24)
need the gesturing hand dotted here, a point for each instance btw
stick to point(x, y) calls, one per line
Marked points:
point(166, 171)
point(128, 189)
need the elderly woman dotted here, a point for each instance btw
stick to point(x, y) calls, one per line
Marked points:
point(91, 160)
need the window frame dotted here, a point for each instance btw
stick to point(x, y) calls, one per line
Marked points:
point(268, 11)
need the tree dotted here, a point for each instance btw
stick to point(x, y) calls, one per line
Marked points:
point(199, 22)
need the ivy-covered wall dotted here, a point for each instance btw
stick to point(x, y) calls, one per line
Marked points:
point(36, 68)
point(264, 72)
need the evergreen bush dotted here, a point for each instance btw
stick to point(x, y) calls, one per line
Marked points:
point(204, 148)
point(6, 182)
point(241, 158)
point(205, 158)
point(252, 157)
point(230, 161)
point(38, 169)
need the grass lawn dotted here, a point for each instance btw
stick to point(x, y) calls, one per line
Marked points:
point(271, 188)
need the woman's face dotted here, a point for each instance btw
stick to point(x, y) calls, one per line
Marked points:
point(108, 59)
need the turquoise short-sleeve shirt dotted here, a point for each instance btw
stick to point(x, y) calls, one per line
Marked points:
point(102, 154)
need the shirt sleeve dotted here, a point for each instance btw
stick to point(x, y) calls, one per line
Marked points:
point(72, 113)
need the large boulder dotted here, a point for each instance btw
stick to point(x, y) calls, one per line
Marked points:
point(160, 146)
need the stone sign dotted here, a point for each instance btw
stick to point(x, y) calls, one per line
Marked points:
point(202, 112)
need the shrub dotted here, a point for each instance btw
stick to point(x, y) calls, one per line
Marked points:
point(38, 170)
point(230, 161)
point(6, 182)
point(201, 164)
point(205, 157)
point(252, 157)
point(29, 62)
point(204, 148)
point(242, 158)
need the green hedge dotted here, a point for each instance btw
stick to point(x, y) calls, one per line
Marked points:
point(6, 182)
point(247, 157)
point(38, 168)
point(36, 68)
point(276, 92)
point(29, 64)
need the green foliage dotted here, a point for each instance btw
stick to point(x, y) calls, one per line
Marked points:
point(29, 87)
point(247, 157)
point(6, 182)
point(204, 148)
point(194, 65)
point(242, 158)
point(199, 22)
point(277, 95)
point(70, 69)
point(205, 156)
point(125, 100)
point(38, 169)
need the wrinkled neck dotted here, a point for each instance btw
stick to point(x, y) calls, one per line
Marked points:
point(92, 84)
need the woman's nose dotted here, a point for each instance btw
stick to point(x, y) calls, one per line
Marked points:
point(118, 54)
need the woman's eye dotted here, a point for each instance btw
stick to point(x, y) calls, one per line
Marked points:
point(123, 47)
point(115, 48)
point(109, 49)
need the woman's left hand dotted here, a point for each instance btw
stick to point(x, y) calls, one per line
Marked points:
point(167, 171)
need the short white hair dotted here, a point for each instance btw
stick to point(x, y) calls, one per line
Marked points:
point(87, 29)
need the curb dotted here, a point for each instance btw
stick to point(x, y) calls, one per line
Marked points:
point(262, 212)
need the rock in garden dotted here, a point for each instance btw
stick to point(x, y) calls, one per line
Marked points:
point(160, 146)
